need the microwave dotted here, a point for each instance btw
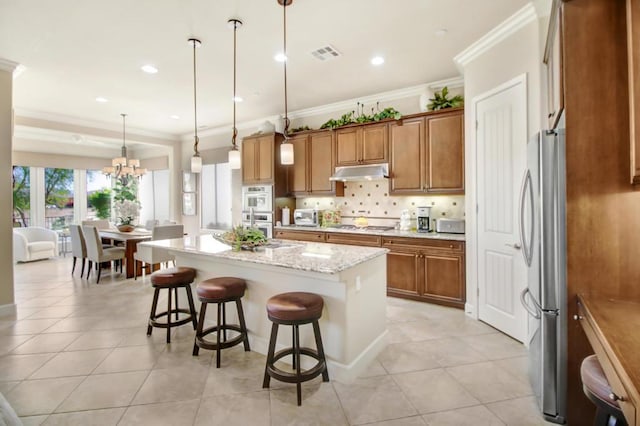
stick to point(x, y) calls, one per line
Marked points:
point(306, 217)
point(258, 198)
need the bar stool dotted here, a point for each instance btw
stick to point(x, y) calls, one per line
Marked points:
point(221, 290)
point(597, 389)
point(172, 279)
point(295, 308)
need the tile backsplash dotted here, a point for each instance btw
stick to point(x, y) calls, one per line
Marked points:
point(382, 209)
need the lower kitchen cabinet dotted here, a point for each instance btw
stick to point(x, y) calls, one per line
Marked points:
point(313, 236)
point(424, 269)
point(428, 270)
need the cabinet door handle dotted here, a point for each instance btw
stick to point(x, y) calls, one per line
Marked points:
point(577, 317)
point(450, 246)
point(614, 397)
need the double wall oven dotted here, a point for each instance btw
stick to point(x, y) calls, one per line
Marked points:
point(257, 208)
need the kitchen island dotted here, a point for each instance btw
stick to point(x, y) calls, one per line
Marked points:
point(351, 280)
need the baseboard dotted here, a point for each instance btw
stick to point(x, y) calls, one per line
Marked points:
point(11, 307)
point(470, 311)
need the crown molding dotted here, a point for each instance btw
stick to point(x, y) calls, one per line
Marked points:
point(505, 29)
point(391, 95)
point(7, 65)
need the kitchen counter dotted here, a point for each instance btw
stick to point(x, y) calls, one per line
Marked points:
point(384, 233)
point(351, 280)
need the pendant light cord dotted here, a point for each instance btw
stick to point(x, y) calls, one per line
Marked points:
point(124, 143)
point(286, 115)
point(235, 130)
point(195, 100)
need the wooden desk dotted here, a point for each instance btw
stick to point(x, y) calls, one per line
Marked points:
point(130, 240)
point(613, 329)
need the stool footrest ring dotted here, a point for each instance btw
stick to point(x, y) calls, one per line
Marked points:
point(153, 321)
point(289, 377)
point(207, 344)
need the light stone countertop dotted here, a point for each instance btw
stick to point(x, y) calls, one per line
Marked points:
point(313, 257)
point(366, 231)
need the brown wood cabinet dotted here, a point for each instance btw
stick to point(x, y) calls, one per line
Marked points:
point(261, 162)
point(364, 144)
point(425, 269)
point(633, 60)
point(427, 154)
point(313, 165)
point(314, 236)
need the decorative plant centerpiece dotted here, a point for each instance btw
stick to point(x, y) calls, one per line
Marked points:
point(360, 117)
point(441, 100)
point(127, 211)
point(244, 238)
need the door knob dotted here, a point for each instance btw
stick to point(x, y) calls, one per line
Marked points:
point(515, 246)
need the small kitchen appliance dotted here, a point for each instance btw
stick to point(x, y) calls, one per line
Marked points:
point(423, 215)
point(257, 197)
point(450, 226)
point(306, 217)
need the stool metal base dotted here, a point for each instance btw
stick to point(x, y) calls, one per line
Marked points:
point(168, 324)
point(220, 329)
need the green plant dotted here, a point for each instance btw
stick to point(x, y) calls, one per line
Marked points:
point(300, 129)
point(240, 236)
point(441, 101)
point(101, 201)
point(350, 118)
point(387, 113)
point(342, 121)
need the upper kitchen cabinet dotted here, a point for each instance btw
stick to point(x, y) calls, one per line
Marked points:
point(633, 49)
point(427, 154)
point(313, 165)
point(261, 162)
point(366, 144)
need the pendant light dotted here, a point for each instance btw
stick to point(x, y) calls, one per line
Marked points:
point(234, 154)
point(196, 160)
point(123, 168)
point(286, 148)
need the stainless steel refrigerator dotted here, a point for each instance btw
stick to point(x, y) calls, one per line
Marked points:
point(543, 235)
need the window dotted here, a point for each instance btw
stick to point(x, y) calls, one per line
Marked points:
point(58, 198)
point(216, 196)
point(153, 194)
point(98, 195)
point(21, 196)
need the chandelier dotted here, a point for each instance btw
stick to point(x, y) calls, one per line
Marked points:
point(123, 168)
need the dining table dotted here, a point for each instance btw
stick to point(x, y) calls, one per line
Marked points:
point(130, 241)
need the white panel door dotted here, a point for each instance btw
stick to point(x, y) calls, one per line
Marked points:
point(501, 137)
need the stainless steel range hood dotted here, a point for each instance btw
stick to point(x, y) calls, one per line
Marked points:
point(360, 173)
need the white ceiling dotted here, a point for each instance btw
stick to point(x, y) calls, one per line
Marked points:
point(76, 50)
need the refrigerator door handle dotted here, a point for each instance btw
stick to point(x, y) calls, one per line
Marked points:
point(527, 251)
point(534, 312)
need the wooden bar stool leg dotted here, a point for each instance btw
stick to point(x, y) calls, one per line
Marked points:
point(224, 322)
point(203, 311)
point(154, 306)
point(293, 345)
point(169, 317)
point(272, 349)
point(192, 306)
point(320, 348)
point(218, 336)
point(175, 290)
point(243, 326)
point(296, 350)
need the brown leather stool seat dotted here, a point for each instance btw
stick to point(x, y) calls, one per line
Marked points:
point(295, 309)
point(172, 279)
point(221, 290)
point(597, 389)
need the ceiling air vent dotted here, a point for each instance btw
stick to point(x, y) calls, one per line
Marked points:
point(325, 53)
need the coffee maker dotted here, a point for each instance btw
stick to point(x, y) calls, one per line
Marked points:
point(424, 219)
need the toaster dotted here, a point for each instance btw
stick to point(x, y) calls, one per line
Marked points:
point(450, 226)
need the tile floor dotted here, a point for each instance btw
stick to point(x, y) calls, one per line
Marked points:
point(76, 353)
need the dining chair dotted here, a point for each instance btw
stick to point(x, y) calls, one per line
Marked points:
point(95, 252)
point(162, 232)
point(78, 247)
point(149, 224)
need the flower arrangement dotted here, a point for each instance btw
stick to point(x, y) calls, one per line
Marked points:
point(127, 211)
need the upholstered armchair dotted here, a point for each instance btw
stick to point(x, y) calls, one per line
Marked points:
point(34, 243)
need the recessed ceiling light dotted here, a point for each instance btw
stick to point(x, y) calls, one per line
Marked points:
point(175, 117)
point(101, 99)
point(238, 99)
point(149, 69)
point(441, 32)
point(377, 60)
point(280, 57)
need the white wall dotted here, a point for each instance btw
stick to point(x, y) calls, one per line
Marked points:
point(6, 207)
point(516, 55)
